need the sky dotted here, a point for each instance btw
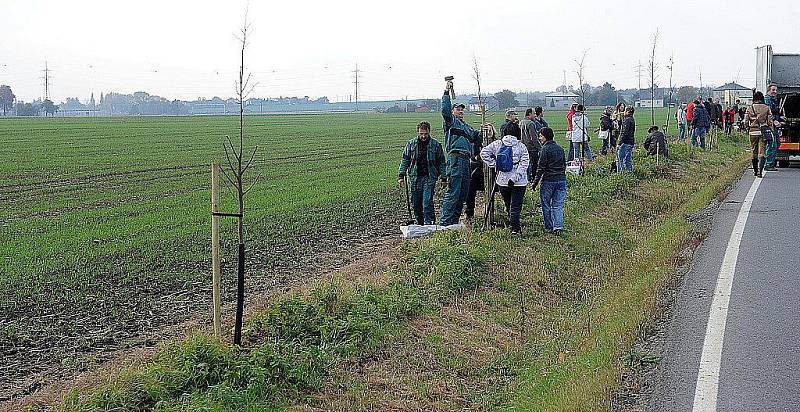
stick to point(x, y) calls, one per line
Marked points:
point(182, 49)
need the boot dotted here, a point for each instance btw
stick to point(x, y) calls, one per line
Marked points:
point(755, 167)
point(761, 162)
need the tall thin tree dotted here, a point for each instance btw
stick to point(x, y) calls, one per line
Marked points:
point(579, 65)
point(669, 101)
point(235, 155)
point(652, 67)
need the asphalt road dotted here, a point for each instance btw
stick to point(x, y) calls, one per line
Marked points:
point(759, 368)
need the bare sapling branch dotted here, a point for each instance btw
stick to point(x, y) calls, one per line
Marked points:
point(653, 66)
point(250, 160)
point(579, 66)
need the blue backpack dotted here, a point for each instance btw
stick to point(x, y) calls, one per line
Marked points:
point(505, 159)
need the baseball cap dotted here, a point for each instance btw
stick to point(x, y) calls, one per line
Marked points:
point(510, 111)
point(458, 104)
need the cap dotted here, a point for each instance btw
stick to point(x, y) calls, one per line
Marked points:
point(510, 111)
point(652, 129)
point(458, 104)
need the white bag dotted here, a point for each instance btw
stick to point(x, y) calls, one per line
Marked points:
point(415, 231)
point(603, 134)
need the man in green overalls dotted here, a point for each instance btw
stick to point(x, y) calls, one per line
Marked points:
point(459, 138)
point(423, 162)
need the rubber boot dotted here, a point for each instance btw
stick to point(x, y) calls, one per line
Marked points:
point(755, 167)
point(761, 162)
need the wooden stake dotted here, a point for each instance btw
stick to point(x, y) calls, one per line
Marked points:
point(215, 264)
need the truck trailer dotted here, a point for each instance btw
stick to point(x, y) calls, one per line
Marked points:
point(782, 70)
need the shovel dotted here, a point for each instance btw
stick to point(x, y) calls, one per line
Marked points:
point(411, 219)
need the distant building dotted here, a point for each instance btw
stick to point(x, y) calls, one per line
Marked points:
point(491, 104)
point(729, 93)
point(646, 99)
point(422, 109)
point(561, 100)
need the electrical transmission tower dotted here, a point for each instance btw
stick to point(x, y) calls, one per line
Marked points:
point(46, 79)
point(356, 72)
point(639, 73)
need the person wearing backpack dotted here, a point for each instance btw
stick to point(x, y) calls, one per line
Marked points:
point(510, 158)
point(423, 163)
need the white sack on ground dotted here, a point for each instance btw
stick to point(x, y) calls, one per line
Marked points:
point(415, 231)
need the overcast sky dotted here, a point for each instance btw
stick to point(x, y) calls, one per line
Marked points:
point(186, 49)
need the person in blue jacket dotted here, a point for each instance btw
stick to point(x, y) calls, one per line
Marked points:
point(459, 138)
point(423, 163)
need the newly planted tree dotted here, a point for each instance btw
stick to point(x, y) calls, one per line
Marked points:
point(238, 165)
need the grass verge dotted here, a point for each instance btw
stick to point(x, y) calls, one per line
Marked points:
point(462, 320)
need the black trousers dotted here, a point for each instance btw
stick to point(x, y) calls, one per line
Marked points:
point(513, 198)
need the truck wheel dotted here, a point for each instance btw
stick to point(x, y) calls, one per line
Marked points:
point(783, 163)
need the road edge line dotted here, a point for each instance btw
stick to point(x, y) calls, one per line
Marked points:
point(705, 394)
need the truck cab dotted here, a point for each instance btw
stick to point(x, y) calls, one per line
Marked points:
point(783, 70)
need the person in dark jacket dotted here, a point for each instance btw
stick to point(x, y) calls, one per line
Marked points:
point(530, 138)
point(700, 124)
point(716, 117)
point(656, 142)
point(476, 183)
point(511, 117)
point(606, 128)
point(771, 100)
point(626, 142)
point(552, 174)
point(423, 162)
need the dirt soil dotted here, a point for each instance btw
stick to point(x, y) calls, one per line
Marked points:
point(60, 343)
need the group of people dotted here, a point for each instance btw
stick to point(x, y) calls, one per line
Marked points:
point(616, 131)
point(697, 117)
point(525, 154)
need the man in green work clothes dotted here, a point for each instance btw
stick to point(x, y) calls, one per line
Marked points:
point(771, 100)
point(459, 138)
point(423, 162)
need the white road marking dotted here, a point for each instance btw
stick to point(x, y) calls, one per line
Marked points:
point(705, 394)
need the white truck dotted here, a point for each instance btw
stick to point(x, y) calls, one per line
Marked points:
point(783, 70)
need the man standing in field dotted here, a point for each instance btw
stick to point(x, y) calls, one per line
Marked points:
point(423, 162)
point(700, 123)
point(459, 139)
point(530, 138)
point(511, 117)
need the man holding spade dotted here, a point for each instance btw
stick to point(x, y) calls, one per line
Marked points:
point(459, 138)
point(423, 163)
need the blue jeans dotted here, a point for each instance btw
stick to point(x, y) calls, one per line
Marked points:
point(552, 195)
point(574, 150)
point(682, 131)
point(701, 133)
point(625, 157)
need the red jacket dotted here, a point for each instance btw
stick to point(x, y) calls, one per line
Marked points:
point(729, 115)
point(689, 110)
point(569, 119)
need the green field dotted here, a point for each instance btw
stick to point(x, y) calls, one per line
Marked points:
point(105, 221)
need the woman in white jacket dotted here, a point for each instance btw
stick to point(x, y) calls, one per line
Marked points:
point(580, 135)
point(511, 184)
